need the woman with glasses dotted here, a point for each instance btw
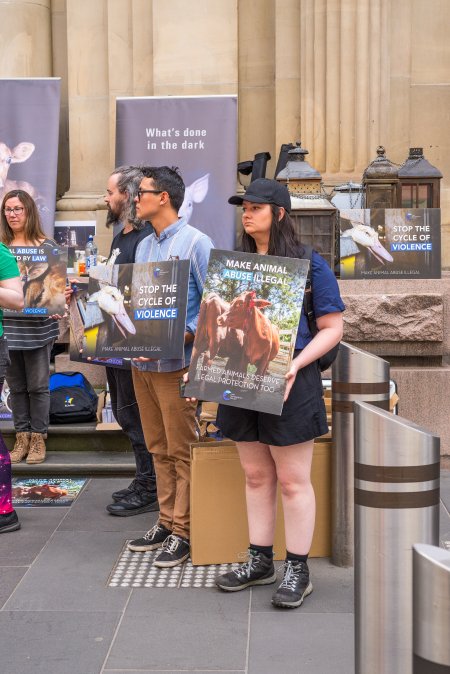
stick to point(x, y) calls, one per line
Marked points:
point(30, 339)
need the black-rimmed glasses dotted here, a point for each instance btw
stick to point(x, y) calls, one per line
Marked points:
point(17, 210)
point(141, 192)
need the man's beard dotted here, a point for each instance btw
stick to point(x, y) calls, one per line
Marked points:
point(119, 218)
point(112, 218)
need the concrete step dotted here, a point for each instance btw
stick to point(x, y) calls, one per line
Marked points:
point(75, 438)
point(83, 463)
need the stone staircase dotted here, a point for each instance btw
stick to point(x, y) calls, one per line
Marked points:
point(77, 449)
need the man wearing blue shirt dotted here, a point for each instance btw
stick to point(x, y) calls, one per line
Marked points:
point(167, 419)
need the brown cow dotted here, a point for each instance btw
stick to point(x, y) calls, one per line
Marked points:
point(261, 338)
point(211, 339)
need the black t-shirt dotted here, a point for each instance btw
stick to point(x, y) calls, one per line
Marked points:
point(127, 243)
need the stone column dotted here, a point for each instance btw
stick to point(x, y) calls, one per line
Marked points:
point(25, 36)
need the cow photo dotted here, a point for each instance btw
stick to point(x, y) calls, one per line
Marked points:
point(247, 325)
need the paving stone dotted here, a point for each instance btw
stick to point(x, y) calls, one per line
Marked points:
point(49, 642)
point(21, 547)
point(72, 571)
point(185, 629)
point(9, 577)
point(293, 642)
point(88, 513)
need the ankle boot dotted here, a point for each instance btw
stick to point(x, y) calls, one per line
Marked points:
point(37, 449)
point(21, 447)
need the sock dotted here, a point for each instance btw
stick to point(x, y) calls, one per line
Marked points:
point(266, 550)
point(292, 557)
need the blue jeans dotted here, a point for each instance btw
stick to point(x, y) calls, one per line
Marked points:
point(126, 412)
point(28, 379)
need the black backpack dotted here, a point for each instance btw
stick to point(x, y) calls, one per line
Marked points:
point(72, 398)
point(328, 358)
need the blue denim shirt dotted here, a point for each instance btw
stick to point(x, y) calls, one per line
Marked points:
point(183, 242)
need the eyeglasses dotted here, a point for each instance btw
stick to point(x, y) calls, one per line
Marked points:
point(17, 210)
point(141, 192)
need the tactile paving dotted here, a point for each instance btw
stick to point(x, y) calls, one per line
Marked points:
point(135, 569)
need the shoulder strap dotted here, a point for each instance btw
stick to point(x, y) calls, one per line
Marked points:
point(307, 297)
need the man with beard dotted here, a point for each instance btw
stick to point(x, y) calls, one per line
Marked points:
point(140, 496)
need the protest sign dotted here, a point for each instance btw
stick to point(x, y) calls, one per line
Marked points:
point(246, 330)
point(43, 272)
point(137, 310)
point(390, 243)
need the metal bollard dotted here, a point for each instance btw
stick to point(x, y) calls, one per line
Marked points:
point(356, 376)
point(397, 468)
point(431, 610)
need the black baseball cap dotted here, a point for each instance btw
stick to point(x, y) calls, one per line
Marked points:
point(264, 191)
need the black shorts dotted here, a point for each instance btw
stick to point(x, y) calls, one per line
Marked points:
point(303, 418)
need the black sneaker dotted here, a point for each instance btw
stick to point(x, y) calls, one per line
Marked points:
point(9, 522)
point(123, 493)
point(135, 503)
point(175, 550)
point(294, 587)
point(151, 540)
point(259, 570)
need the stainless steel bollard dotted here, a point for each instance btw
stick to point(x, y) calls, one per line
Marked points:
point(356, 376)
point(431, 610)
point(397, 472)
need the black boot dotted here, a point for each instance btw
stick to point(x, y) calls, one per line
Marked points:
point(9, 522)
point(139, 501)
point(259, 570)
point(294, 587)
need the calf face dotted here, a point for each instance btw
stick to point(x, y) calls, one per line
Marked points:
point(240, 308)
point(18, 154)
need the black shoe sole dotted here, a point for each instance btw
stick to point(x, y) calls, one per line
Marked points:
point(293, 604)
point(262, 581)
point(151, 507)
point(10, 527)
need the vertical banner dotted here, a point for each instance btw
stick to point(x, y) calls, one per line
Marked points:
point(29, 128)
point(198, 134)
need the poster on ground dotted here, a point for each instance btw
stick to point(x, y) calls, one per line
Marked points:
point(59, 491)
point(43, 272)
point(390, 243)
point(198, 134)
point(29, 129)
point(137, 310)
point(247, 326)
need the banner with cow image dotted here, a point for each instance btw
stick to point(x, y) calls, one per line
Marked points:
point(43, 272)
point(198, 134)
point(390, 243)
point(247, 326)
point(136, 310)
point(29, 130)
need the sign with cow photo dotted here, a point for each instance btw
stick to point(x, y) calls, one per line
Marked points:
point(135, 310)
point(247, 326)
point(390, 243)
point(43, 272)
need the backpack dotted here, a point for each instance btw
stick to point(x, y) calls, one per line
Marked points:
point(72, 398)
point(328, 358)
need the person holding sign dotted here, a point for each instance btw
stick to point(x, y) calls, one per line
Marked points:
point(11, 297)
point(30, 339)
point(168, 422)
point(278, 449)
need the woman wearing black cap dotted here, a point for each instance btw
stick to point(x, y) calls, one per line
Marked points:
point(279, 448)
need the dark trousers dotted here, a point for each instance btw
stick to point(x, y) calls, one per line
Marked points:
point(5, 462)
point(28, 379)
point(126, 412)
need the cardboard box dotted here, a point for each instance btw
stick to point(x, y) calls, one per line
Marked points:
point(219, 531)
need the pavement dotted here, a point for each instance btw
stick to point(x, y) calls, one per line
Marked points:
point(59, 615)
